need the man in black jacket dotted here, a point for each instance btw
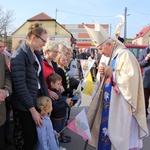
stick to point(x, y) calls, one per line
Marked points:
point(144, 61)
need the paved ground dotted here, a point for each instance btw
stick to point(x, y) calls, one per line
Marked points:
point(77, 142)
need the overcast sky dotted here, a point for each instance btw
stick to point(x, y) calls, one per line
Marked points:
point(82, 11)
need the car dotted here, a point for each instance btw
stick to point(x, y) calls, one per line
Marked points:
point(136, 49)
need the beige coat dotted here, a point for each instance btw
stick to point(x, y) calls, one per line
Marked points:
point(128, 77)
point(5, 83)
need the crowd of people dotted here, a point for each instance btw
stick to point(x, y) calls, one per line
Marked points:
point(85, 53)
point(38, 68)
point(38, 84)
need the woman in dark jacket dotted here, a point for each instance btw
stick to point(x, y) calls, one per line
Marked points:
point(28, 83)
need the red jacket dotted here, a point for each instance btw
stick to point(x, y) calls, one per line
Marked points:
point(48, 70)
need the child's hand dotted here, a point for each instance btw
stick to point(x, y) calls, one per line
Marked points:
point(69, 101)
point(61, 89)
point(74, 91)
point(57, 135)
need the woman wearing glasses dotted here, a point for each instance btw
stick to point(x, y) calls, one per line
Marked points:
point(28, 84)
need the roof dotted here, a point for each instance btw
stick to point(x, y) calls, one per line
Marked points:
point(142, 32)
point(41, 16)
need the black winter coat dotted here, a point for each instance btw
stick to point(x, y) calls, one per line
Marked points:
point(24, 78)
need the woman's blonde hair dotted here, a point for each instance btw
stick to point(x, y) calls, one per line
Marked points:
point(50, 45)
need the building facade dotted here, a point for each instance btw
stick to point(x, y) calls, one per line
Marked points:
point(80, 34)
point(55, 31)
point(64, 33)
point(142, 38)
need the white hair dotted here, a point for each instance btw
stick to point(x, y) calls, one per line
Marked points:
point(50, 45)
point(109, 40)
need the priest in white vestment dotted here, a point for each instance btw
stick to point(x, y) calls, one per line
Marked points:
point(120, 120)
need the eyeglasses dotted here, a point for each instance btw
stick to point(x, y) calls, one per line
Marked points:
point(44, 41)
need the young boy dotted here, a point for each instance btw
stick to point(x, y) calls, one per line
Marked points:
point(47, 137)
point(58, 115)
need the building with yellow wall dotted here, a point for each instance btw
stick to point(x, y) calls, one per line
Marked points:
point(55, 31)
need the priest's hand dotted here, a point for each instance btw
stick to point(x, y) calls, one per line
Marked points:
point(101, 70)
point(108, 71)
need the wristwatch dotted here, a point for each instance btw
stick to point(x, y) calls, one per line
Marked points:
point(7, 93)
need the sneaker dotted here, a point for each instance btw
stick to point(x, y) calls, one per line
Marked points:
point(63, 135)
point(62, 148)
point(67, 136)
point(64, 140)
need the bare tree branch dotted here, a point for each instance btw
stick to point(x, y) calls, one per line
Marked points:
point(6, 18)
